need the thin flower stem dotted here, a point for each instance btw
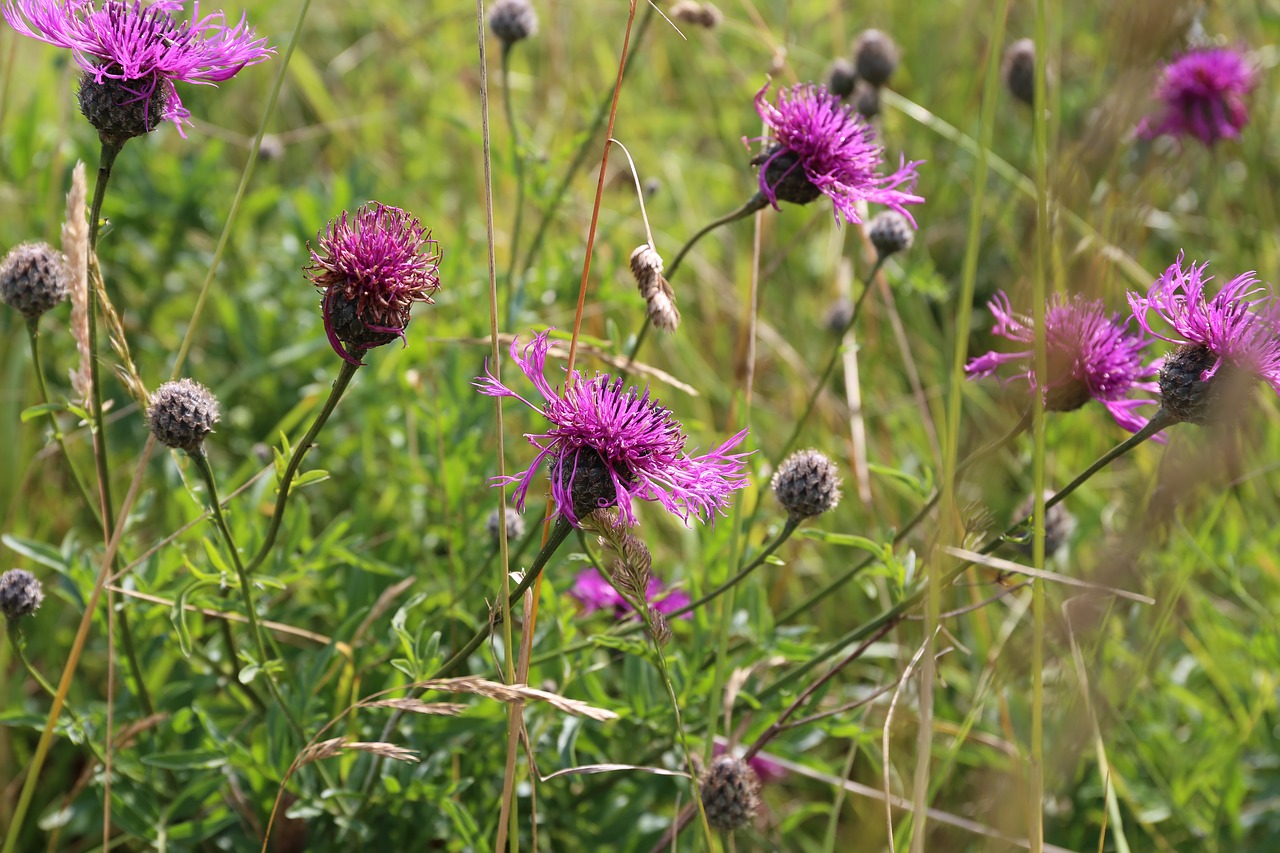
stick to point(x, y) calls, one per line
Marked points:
point(831, 363)
point(1035, 794)
point(632, 628)
point(755, 203)
point(98, 427)
point(15, 642)
point(579, 157)
point(899, 611)
point(33, 334)
point(559, 533)
point(517, 161)
point(345, 374)
point(201, 460)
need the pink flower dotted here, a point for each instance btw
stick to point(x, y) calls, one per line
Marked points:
point(594, 593)
point(1203, 93)
point(142, 48)
point(821, 146)
point(1092, 356)
point(609, 446)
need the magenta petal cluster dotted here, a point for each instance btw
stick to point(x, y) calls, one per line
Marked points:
point(835, 148)
point(640, 444)
point(1091, 356)
point(1202, 94)
point(142, 46)
point(372, 268)
point(1240, 326)
point(594, 593)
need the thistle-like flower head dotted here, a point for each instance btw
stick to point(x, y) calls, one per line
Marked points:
point(1202, 94)
point(611, 445)
point(137, 52)
point(1092, 356)
point(821, 146)
point(372, 268)
point(1237, 330)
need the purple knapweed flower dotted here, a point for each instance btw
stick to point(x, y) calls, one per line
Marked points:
point(610, 446)
point(593, 592)
point(822, 147)
point(1202, 93)
point(1091, 356)
point(1236, 332)
point(132, 54)
point(372, 269)
point(766, 768)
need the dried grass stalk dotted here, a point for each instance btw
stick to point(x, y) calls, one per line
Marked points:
point(75, 246)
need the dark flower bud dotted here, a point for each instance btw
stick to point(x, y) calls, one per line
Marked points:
point(785, 175)
point(839, 314)
point(1191, 399)
point(513, 20)
point(1018, 70)
point(115, 109)
point(182, 414)
point(890, 232)
point(515, 524)
point(875, 56)
point(866, 99)
point(807, 484)
point(591, 481)
point(20, 594)
point(33, 278)
point(730, 793)
point(841, 77)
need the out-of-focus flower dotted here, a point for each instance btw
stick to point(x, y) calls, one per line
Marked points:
point(1092, 356)
point(1202, 94)
point(594, 593)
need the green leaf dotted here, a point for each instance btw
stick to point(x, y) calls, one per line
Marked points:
point(862, 543)
point(319, 475)
point(249, 673)
point(32, 412)
point(178, 614)
point(197, 759)
point(45, 555)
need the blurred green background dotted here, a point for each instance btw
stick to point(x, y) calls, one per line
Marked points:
point(1177, 719)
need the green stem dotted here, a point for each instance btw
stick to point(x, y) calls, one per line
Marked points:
point(896, 613)
point(107, 511)
point(33, 334)
point(559, 533)
point(300, 450)
point(15, 641)
point(755, 203)
point(632, 628)
point(201, 460)
point(517, 159)
point(831, 364)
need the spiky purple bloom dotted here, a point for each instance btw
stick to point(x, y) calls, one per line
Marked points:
point(372, 268)
point(822, 146)
point(1237, 330)
point(142, 48)
point(620, 443)
point(594, 593)
point(1091, 356)
point(1202, 93)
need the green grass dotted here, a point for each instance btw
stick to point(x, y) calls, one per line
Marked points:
point(376, 563)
